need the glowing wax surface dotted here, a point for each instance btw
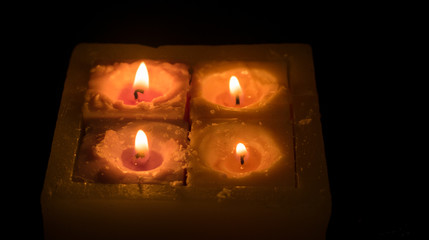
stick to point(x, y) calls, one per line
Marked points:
point(257, 85)
point(111, 157)
point(217, 149)
point(110, 88)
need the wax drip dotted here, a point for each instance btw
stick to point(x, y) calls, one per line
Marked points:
point(136, 96)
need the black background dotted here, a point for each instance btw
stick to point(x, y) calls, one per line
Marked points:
point(369, 170)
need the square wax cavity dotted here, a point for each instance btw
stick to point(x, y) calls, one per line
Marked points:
point(114, 154)
point(244, 89)
point(138, 89)
point(266, 160)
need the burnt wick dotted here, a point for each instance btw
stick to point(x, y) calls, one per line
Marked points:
point(136, 95)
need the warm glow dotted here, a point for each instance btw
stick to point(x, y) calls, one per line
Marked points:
point(240, 150)
point(234, 86)
point(141, 81)
point(141, 145)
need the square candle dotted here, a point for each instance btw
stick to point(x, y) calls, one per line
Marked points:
point(139, 89)
point(246, 89)
point(266, 157)
point(108, 153)
point(244, 172)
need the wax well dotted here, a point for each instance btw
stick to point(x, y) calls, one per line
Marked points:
point(110, 155)
point(231, 89)
point(267, 160)
point(112, 90)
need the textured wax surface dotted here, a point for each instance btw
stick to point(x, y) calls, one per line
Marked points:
point(296, 208)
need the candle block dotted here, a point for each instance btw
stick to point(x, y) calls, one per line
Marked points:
point(152, 90)
point(260, 91)
point(241, 153)
point(108, 155)
point(251, 166)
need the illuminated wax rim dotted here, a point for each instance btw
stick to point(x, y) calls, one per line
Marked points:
point(161, 138)
point(108, 81)
point(257, 85)
point(219, 143)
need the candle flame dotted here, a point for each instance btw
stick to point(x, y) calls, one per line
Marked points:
point(141, 144)
point(141, 81)
point(234, 86)
point(240, 150)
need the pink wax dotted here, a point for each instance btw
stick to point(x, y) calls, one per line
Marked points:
point(129, 160)
point(112, 88)
point(127, 95)
point(115, 154)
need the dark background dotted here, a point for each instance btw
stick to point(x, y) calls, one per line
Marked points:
point(371, 183)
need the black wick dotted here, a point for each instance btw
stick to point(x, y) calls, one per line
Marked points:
point(136, 96)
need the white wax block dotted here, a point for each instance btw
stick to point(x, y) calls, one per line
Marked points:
point(111, 91)
point(269, 159)
point(107, 154)
point(231, 217)
point(281, 207)
point(310, 157)
point(264, 90)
